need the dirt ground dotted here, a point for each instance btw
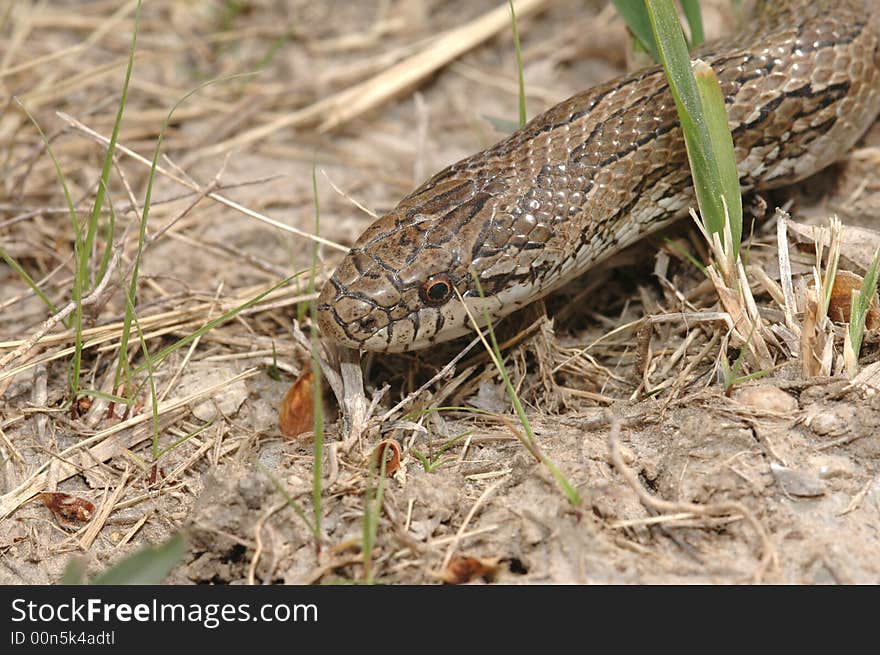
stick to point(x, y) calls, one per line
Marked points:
point(680, 482)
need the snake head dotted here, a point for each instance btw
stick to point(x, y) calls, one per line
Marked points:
point(395, 290)
point(406, 281)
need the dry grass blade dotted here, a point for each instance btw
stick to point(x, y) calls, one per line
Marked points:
point(106, 338)
point(102, 447)
point(817, 336)
point(195, 187)
point(857, 244)
point(107, 507)
point(105, 27)
point(790, 306)
point(735, 294)
point(450, 551)
point(26, 345)
point(345, 105)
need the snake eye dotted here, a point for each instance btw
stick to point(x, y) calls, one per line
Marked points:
point(436, 290)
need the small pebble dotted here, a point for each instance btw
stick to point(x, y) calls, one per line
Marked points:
point(832, 422)
point(766, 397)
point(798, 482)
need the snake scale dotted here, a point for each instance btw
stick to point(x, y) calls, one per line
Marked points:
point(599, 171)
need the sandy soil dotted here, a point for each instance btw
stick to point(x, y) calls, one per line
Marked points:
point(680, 482)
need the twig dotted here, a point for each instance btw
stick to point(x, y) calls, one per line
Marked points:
point(258, 539)
point(341, 107)
point(467, 519)
point(768, 553)
point(440, 375)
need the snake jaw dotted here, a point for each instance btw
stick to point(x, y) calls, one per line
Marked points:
point(361, 306)
point(375, 302)
point(375, 330)
point(332, 326)
point(350, 315)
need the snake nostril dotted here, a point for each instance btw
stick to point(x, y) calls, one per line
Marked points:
point(368, 324)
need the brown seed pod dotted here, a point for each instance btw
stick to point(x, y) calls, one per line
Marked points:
point(390, 450)
point(463, 569)
point(297, 412)
point(845, 282)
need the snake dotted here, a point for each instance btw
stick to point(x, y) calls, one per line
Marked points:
point(599, 171)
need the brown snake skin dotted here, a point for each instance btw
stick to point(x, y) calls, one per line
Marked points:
point(599, 171)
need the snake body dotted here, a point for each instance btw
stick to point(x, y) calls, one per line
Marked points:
point(599, 171)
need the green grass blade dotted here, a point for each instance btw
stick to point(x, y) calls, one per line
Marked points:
point(422, 458)
point(210, 325)
point(694, 17)
point(861, 303)
point(715, 114)
point(416, 413)
point(71, 209)
point(431, 465)
point(273, 49)
point(753, 376)
point(700, 146)
point(635, 15)
point(519, 66)
point(317, 400)
point(122, 371)
point(149, 566)
point(372, 512)
point(272, 369)
point(731, 375)
point(114, 137)
point(302, 308)
point(207, 327)
point(295, 506)
point(495, 352)
point(83, 252)
point(74, 221)
point(174, 444)
point(148, 363)
point(503, 125)
point(109, 235)
point(15, 266)
point(677, 248)
point(94, 393)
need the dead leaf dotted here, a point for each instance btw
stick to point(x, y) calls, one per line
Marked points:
point(68, 508)
point(462, 569)
point(813, 338)
point(297, 413)
point(845, 282)
point(392, 458)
